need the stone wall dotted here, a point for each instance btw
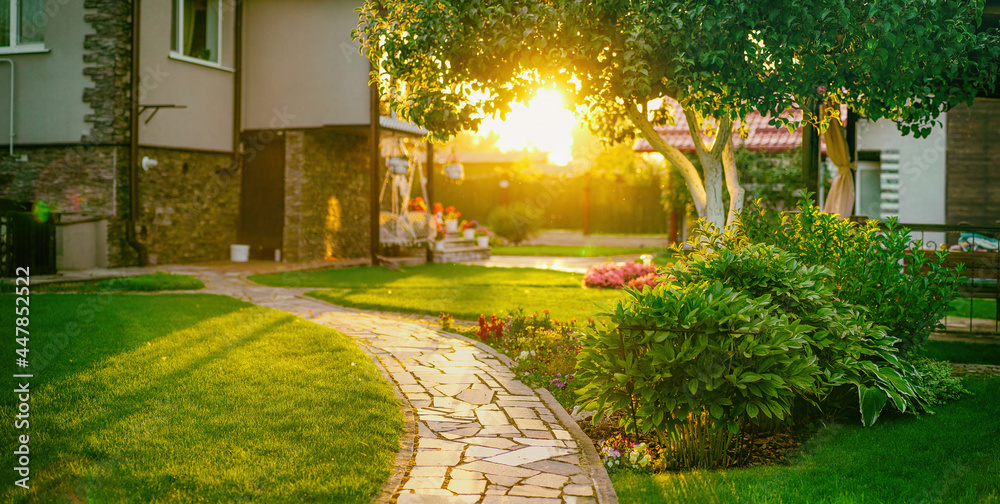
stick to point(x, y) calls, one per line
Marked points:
point(108, 52)
point(326, 195)
point(190, 205)
point(77, 182)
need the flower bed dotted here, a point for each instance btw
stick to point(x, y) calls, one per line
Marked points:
point(617, 275)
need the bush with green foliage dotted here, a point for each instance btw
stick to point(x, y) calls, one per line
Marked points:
point(514, 223)
point(698, 351)
point(881, 271)
point(850, 350)
point(937, 385)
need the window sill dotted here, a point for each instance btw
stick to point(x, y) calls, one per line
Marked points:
point(25, 49)
point(180, 57)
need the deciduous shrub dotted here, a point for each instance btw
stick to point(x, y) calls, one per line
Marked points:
point(850, 350)
point(699, 351)
point(881, 271)
point(514, 223)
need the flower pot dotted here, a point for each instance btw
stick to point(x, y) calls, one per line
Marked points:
point(469, 234)
point(439, 245)
point(451, 225)
point(483, 241)
point(239, 253)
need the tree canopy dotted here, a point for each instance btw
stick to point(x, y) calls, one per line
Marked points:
point(904, 60)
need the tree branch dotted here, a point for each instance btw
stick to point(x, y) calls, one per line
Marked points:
point(674, 156)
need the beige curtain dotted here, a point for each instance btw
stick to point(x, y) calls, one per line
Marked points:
point(189, 20)
point(840, 199)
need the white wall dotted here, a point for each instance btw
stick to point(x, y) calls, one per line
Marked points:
point(300, 67)
point(921, 166)
point(206, 91)
point(48, 100)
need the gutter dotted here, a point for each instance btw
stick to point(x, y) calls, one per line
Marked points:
point(373, 175)
point(131, 235)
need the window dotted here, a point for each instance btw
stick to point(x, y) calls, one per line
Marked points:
point(196, 30)
point(22, 24)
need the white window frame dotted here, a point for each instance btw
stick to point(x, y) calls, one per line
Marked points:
point(178, 42)
point(13, 46)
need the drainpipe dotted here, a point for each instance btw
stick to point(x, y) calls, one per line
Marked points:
point(238, 85)
point(374, 167)
point(6, 60)
point(133, 160)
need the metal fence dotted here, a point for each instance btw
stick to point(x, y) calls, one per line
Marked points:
point(975, 247)
point(26, 242)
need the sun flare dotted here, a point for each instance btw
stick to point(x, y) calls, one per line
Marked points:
point(544, 124)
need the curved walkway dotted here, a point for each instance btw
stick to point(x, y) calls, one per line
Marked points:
point(480, 435)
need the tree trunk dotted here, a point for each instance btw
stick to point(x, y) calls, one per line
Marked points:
point(736, 192)
point(711, 163)
point(674, 157)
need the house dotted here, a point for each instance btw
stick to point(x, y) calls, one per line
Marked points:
point(194, 126)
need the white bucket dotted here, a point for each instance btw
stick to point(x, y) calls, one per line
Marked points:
point(239, 253)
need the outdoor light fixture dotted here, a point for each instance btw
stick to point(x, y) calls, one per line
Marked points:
point(398, 162)
point(453, 169)
point(504, 184)
point(148, 162)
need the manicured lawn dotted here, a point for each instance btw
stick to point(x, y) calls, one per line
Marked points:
point(196, 398)
point(952, 456)
point(963, 353)
point(981, 308)
point(572, 251)
point(158, 281)
point(464, 291)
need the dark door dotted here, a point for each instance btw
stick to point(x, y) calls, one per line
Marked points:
point(262, 200)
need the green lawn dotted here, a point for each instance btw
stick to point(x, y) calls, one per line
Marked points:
point(951, 457)
point(158, 281)
point(196, 398)
point(572, 251)
point(963, 353)
point(464, 291)
point(981, 308)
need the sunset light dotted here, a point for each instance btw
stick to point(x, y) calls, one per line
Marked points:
point(544, 124)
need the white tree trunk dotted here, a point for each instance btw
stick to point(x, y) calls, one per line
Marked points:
point(736, 192)
point(675, 157)
point(714, 211)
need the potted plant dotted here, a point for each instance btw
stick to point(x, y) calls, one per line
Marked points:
point(439, 238)
point(469, 229)
point(451, 219)
point(417, 205)
point(482, 237)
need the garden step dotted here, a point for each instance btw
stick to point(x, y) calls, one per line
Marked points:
point(460, 254)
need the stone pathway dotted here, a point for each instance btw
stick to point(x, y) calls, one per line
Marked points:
point(481, 436)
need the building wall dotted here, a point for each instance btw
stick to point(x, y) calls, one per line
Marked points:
point(77, 182)
point(921, 168)
point(206, 90)
point(326, 195)
point(48, 86)
point(190, 205)
point(301, 69)
point(974, 164)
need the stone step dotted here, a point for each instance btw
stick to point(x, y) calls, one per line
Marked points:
point(461, 254)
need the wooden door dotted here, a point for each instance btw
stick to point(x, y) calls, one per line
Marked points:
point(262, 200)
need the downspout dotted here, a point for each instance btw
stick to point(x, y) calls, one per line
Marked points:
point(131, 235)
point(238, 86)
point(6, 60)
point(376, 152)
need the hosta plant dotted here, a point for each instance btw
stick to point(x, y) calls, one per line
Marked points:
point(850, 350)
point(700, 351)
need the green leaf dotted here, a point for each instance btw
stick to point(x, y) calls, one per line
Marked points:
point(693, 386)
point(752, 410)
point(716, 411)
point(872, 401)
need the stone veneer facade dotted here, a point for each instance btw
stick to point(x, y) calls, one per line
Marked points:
point(190, 205)
point(326, 195)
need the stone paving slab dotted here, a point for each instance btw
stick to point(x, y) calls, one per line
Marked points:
point(481, 436)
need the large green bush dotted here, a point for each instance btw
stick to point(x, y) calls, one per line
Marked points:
point(696, 353)
point(744, 334)
point(514, 223)
point(881, 271)
point(851, 351)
